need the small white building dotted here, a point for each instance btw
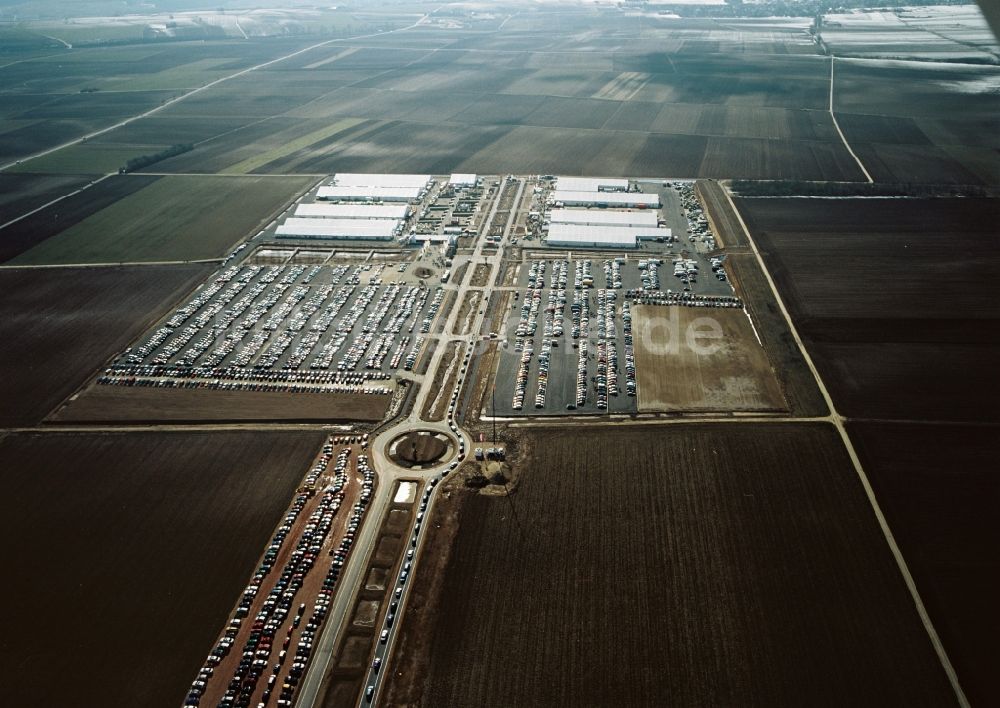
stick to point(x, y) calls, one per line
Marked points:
point(621, 200)
point(591, 184)
point(604, 217)
point(340, 229)
point(462, 180)
point(326, 210)
point(369, 194)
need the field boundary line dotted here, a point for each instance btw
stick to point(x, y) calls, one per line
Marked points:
point(210, 84)
point(39, 266)
point(838, 422)
point(54, 201)
point(836, 125)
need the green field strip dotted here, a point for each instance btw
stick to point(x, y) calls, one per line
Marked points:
point(251, 163)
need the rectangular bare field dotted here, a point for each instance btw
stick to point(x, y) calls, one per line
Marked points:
point(58, 325)
point(119, 404)
point(894, 297)
point(714, 564)
point(130, 554)
point(728, 373)
point(938, 486)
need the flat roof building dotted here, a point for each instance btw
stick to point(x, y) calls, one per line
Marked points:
point(607, 199)
point(353, 211)
point(340, 229)
point(576, 236)
point(361, 179)
point(369, 194)
point(603, 217)
point(462, 180)
point(591, 184)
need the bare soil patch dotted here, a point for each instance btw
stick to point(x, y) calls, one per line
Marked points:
point(155, 536)
point(743, 544)
point(58, 325)
point(938, 485)
point(675, 372)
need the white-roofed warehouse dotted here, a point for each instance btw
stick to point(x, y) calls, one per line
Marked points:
point(360, 179)
point(591, 184)
point(462, 180)
point(369, 194)
point(603, 217)
point(339, 229)
point(609, 199)
point(574, 236)
point(353, 211)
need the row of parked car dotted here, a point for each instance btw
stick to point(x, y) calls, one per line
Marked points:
point(221, 385)
point(630, 385)
point(649, 271)
point(683, 298)
point(319, 378)
point(613, 272)
point(273, 612)
point(425, 325)
point(697, 222)
point(407, 567)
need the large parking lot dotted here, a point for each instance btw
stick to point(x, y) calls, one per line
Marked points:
point(345, 326)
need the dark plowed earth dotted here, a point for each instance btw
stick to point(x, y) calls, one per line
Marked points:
point(700, 565)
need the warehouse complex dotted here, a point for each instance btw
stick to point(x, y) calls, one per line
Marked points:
point(607, 214)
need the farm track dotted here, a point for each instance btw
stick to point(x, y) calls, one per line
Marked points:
point(838, 421)
point(205, 87)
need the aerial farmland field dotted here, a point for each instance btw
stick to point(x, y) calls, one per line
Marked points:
point(937, 485)
point(33, 229)
point(894, 297)
point(60, 325)
point(131, 552)
point(744, 545)
point(368, 227)
point(174, 218)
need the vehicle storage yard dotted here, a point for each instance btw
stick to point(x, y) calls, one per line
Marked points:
point(638, 320)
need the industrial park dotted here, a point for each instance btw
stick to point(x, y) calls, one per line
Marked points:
point(520, 353)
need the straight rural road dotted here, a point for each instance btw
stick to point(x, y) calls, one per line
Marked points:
point(209, 85)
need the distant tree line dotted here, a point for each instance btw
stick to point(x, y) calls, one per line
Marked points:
point(793, 188)
point(137, 163)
